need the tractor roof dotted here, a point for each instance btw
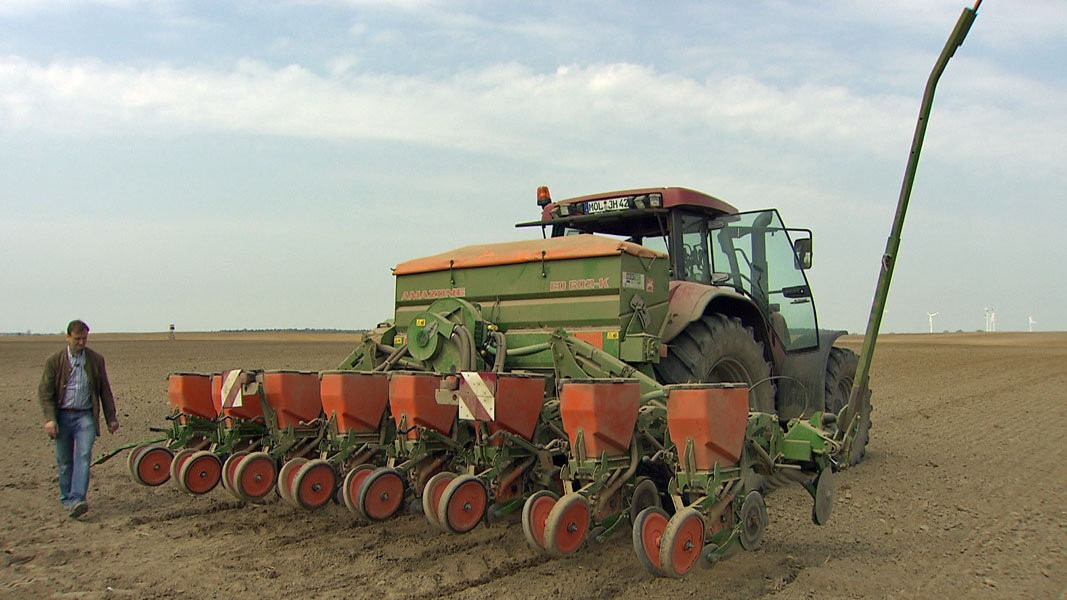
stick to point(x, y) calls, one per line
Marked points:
point(636, 212)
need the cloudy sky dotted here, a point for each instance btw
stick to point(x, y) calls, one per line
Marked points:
point(261, 164)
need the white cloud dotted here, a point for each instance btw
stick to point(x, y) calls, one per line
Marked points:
point(513, 109)
point(482, 110)
point(30, 7)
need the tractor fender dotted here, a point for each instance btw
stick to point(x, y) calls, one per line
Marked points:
point(688, 301)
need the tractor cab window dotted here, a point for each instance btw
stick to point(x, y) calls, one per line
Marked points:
point(657, 242)
point(754, 253)
point(691, 249)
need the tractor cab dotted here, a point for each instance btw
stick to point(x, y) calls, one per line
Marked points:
point(709, 242)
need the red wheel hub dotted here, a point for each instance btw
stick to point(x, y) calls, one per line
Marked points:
point(567, 525)
point(255, 476)
point(463, 504)
point(201, 472)
point(381, 494)
point(153, 465)
point(314, 484)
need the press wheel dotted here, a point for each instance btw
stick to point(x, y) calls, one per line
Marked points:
point(200, 473)
point(151, 465)
point(753, 519)
point(286, 475)
point(382, 494)
point(682, 542)
point(350, 488)
point(567, 524)
point(131, 460)
point(534, 514)
point(463, 503)
point(314, 484)
point(255, 476)
point(176, 466)
point(647, 534)
point(229, 467)
point(431, 496)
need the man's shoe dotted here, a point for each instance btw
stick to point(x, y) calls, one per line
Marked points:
point(79, 509)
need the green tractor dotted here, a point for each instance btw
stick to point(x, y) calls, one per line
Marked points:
point(739, 307)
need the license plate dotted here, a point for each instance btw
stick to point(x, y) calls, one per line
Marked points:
point(593, 207)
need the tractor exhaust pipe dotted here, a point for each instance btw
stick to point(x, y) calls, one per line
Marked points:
point(885, 273)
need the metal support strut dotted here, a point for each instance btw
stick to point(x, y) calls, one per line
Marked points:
point(885, 272)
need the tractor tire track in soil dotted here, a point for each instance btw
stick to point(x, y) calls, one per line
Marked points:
point(961, 495)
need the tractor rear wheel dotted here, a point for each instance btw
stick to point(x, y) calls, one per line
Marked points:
point(841, 368)
point(720, 349)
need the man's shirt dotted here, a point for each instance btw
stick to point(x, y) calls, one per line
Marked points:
point(77, 396)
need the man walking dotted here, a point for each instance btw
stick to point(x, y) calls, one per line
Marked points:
point(73, 389)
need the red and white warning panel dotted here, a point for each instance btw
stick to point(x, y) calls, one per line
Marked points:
point(236, 394)
point(474, 394)
point(231, 389)
point(477, 396)
point(510, 401)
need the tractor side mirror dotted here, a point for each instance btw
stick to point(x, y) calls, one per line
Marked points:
point(802, 249)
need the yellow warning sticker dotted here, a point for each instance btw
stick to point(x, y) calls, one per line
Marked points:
point(420, 322)
point(613, 335)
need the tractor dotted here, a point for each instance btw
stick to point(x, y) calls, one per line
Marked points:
point(739, 307)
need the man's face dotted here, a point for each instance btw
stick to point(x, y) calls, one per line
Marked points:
point(76, 341)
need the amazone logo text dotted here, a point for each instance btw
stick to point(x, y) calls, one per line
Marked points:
point(433, 294)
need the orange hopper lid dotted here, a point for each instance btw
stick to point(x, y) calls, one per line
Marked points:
point(507, 253)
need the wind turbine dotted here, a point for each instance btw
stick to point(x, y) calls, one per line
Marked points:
point(987, 319)
point(930, 317)
point(1032, 321)
point(993, 319)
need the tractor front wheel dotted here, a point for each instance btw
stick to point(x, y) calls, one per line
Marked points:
point(841, 368)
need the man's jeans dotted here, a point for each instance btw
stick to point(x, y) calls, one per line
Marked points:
point(74, 448)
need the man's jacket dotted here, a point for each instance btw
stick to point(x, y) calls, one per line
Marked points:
point(53, 386)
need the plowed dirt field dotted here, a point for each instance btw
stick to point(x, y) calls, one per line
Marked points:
point(964, 494)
